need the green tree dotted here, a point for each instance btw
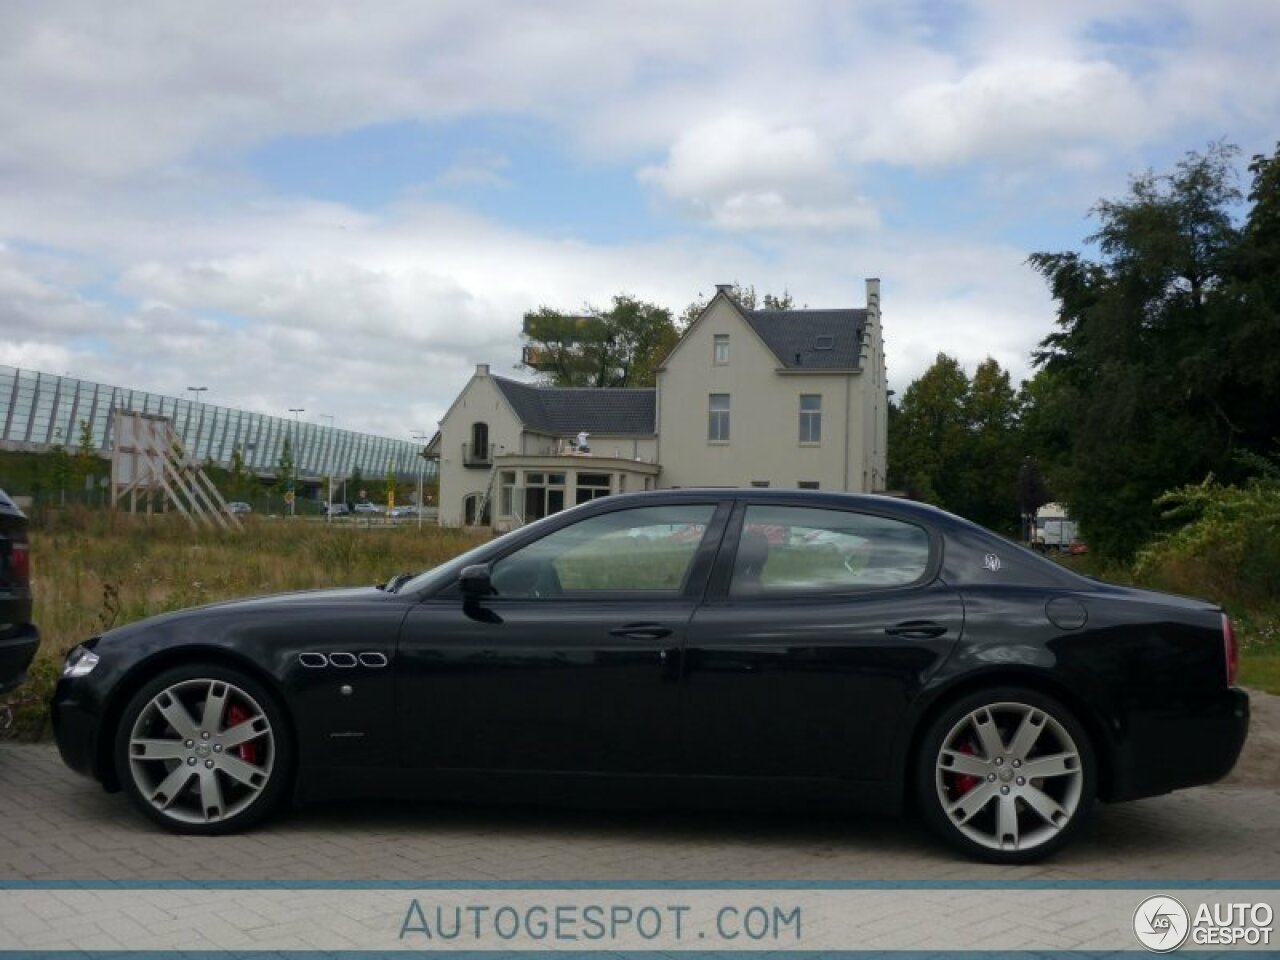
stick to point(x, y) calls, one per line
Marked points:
point(285, 465)
point(928, 433)
point(60, 467)
point(619, 347)
point(86, 463)
point(992, 456)
point(240, 482)
point(1145, 352)
point(746, 298)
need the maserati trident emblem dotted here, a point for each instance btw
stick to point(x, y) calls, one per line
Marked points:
point(991, 562)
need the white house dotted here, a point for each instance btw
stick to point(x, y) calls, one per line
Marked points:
point(781, 398)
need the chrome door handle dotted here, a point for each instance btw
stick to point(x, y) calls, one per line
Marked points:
point(641, 631)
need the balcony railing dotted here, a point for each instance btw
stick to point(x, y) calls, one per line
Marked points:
point(477, 456)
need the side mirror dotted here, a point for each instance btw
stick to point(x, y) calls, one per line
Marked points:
point(474, 583)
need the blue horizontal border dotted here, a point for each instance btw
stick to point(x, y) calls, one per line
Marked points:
point(614, 955)
point(1030, 884)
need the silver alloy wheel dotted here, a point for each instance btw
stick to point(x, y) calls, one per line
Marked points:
point(1009, 776)
point(201, 751)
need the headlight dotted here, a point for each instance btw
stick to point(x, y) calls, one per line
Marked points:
point(80, 662)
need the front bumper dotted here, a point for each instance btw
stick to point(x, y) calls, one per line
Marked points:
point(1186, 747)
point(17, 649)
point(76, 726)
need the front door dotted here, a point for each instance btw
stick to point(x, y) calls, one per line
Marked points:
point(573, 664)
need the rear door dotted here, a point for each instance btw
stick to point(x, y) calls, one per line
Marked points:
point(819, 628)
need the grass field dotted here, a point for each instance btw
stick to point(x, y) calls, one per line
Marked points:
point(92, 570)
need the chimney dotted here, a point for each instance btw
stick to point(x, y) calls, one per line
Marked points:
point(482, 369)
point(873, 294)
point(726, 289)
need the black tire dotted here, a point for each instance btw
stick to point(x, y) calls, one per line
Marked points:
point(984, 805)
point(237, 753)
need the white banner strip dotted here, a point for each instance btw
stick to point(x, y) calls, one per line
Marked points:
point(393, 919)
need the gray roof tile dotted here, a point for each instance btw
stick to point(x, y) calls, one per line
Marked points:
point(566, 410)
point(793, 336)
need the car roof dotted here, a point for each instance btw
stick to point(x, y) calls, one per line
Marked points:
point(815, 498)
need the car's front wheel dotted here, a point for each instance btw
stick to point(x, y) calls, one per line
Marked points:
point(1008, 775)
point(203, 749)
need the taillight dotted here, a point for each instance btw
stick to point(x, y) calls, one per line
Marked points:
point(19, 564)
point(1230, 650)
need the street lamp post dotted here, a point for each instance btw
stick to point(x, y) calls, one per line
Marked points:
point(293, 488)
point(422, 462)
point(328, 464)
point(195, 398)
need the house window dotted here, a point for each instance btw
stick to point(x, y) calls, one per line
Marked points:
point(478, 453)
point(760, 483)
point(718, 418)
point(543, 495)
point(592, 485)
point(721, 349)
point(808, 484)
point(508, 486)
point(810, 418)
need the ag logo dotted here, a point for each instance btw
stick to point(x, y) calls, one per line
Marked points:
point(1161, 924)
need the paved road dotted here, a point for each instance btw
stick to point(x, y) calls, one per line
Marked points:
point(56, 825)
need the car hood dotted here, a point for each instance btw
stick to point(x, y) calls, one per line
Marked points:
point(251, 606)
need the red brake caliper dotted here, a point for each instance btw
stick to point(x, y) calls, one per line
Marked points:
point(236, 714)
point(965, 782)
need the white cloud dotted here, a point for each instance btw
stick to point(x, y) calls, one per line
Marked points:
point(741, 173)
point(1014, 110)
point(140, 251)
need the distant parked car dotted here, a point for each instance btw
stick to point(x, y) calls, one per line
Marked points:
point(338, 510)
point(239, 506)
point(401, 512)
point(368, 508)
point(18, 635)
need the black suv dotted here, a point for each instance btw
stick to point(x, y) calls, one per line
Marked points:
point(18, 636)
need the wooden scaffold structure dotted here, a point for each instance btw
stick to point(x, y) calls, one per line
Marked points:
point(148, 462)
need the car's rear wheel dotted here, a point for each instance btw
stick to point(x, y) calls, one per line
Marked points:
point(1008, 775)
point(203, 749)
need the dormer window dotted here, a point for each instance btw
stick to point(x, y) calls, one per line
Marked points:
point(824, 342)
point(720, 349)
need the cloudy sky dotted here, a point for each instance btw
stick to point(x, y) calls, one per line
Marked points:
point(345, 206)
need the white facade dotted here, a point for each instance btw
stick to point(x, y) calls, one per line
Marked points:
point(728, 411)
point(721, 356)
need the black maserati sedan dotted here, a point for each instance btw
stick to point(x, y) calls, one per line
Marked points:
point(788, 648)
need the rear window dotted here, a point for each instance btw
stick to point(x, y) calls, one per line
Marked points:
point(786, 549)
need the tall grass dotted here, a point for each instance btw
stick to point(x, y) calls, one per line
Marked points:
point(91, 570)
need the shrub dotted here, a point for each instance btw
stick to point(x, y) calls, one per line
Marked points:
point(1227, 544)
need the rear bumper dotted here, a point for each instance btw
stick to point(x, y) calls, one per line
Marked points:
point(1185, 748)
point(16, 652)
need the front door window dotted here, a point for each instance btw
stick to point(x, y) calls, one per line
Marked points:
point(647, 551)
